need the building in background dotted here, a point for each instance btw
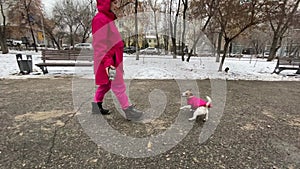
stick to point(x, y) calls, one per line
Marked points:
point(23, 23)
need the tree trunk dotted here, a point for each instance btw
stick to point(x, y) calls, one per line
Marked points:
point(30, 21)
point(274, 48)
point(71, 36)
point(227, 42)
point(175, 30)
point(282, 25)
point(194, 47)
point(166, 43)
point(3, 44)
point(185, 6)
point(33, 37)
point(173, 48)
point(54, 41)
point(136, 30)
point(198, 38)
point(156, 32)
point(219, 47)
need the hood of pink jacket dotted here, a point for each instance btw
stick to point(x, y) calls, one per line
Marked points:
point(104, 7)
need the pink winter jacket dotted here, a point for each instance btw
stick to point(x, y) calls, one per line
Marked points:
point(107, 43)
point(196, 102)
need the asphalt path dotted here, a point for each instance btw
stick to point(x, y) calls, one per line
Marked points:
point(47, 123)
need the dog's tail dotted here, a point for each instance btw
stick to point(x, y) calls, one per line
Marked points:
point(208, 104)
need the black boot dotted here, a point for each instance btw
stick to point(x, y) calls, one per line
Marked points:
point(133, 114)
point(97, 108)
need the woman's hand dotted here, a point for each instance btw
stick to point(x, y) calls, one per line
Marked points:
point(111, 66)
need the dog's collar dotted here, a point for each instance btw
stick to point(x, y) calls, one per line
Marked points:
point(190, 97)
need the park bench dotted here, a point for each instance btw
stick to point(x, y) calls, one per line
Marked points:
point(65, 58)
point(287, 63)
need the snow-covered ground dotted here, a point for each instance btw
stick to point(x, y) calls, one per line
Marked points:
point(160, 67)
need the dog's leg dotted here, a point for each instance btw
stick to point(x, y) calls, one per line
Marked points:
point(194, 117)
point(185, 107)
point(206, 107)
point(206, 115)
point(196, 113)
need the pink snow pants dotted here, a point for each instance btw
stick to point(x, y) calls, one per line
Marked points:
point(119, 89)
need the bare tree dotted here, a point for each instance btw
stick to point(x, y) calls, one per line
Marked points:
point(173, 25)
point(173, 39)
point(87, 12)
point(294, 38)
point(25, 14)
point(234, 18)
point(3, 44)
point(203, 10)
point(68, 17)
point(154, 7)
point(138, 7)
point(184, 13)
point(30, 20)
point(257, 37)
point(136, 29)
point(51, 31)
point(280, 15)
point(165, 36)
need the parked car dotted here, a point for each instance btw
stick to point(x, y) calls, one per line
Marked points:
point(264, 55)
point(235, 55)
point(248, 51)
point(150, 51)
point(12, 42)
point(87, 46)
point(9, 42)
point(65, 47)
point(40, 45)
point(130, 49)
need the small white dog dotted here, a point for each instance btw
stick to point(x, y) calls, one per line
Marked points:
point(199, 105)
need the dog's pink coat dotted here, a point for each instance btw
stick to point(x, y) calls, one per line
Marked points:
point(196, 102)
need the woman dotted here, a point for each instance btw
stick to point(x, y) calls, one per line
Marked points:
point(108, 53)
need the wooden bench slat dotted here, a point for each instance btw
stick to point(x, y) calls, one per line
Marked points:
point(68, 58)
point(67, 55)
point(64, 64)
point(292, 64)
